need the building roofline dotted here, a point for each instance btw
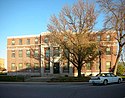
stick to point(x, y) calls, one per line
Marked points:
point(23, 36)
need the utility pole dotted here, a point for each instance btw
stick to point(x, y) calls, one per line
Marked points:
point(100, 62)
point(40, 56)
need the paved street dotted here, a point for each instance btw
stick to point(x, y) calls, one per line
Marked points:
point(60, 90)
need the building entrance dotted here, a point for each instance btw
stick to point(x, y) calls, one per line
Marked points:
point(56, 68)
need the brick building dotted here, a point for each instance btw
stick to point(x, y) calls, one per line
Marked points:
point(35, 55)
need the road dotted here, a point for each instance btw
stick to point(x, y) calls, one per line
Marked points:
point(38, 90)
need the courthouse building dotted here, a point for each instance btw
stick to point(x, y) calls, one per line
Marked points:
point(35, 55)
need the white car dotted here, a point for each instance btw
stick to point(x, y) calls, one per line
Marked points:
point(105, 78)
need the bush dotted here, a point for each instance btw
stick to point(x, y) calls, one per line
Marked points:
point(70, 79)
point(12, 78)
point(3, 73)
point(120, 70)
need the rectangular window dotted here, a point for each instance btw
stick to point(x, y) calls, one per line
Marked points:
point(108, 37)
point(36, 67)
point(56, 51)
point(36, 53)
point(98, 38)
point(20, 41)
point(36, 40)
point(20, 53)
point(66, 67)
point(13, 54)
point(47, 67)
point(13, 66)
point(108, 65)
point(28, 67)
point(88, 66)
point(108, 51)
point(47, 52)
point(97, 66)
point(46, 40)
point(13, 42)
point(20, 66)
point(28, 53)
point(28, 41)
point(66, 53)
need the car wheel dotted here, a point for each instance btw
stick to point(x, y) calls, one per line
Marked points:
point(105, 82)
point(94, 84)
point(119, 81)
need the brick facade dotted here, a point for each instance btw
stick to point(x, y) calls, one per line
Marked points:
point(34, 55)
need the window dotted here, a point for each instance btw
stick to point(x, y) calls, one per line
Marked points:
point(66, 53)
point(47, 67)
point(36, 40)
point(47, 52)
point(88, 66)
point(20, 41)
point(46, 40)
point(108, 51)
point(108, 65)
point(28, 53)
point(65, 38)
point(108, 38)
point(36, 67)
point(20, 53)
point(98, 38)
point(13, 67)
point(28, 41)
point(97, 66)
point(13, 42)
point(13, 54)
point(56, 51)
point(66, 67)
point(28, 65)
point(20, 66)
point(36, 53)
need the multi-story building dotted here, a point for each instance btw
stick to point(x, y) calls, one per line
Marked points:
point(35, 55)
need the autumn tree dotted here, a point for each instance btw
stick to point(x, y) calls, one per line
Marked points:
point(115, 20)
point(71, 31)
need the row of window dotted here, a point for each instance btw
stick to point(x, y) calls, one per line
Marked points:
point(36, 67)
point(47, 52)
point(20, 66)
point(108, 38)
point(46, 40)
point(28, 53)
point(20, 41)
point(108, 66)
point(28, 41)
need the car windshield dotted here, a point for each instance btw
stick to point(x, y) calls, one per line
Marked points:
point(102, 74)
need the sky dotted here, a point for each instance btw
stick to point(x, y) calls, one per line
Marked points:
point(29, 17)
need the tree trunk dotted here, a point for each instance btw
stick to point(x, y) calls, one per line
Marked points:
point(79, 71)
point(117, 59)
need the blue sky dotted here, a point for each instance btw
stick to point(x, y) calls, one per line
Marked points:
point(28, 17)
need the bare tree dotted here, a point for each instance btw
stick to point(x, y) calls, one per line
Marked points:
point(71, 30)
point(115, 19)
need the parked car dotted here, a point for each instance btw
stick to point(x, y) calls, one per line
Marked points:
point(105, 78)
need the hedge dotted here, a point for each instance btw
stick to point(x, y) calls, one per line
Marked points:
point(12, 78)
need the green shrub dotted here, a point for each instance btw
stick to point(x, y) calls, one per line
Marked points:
point(70, 79)
point(120, 70)
point(3, 73)
point(12, 78)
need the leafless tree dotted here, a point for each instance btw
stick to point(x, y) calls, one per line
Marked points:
point(71, 30)
point(115, 19)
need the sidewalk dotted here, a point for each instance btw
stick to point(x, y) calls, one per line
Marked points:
point(47, 83)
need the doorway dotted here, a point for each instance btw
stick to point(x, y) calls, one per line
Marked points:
point(56, 68)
